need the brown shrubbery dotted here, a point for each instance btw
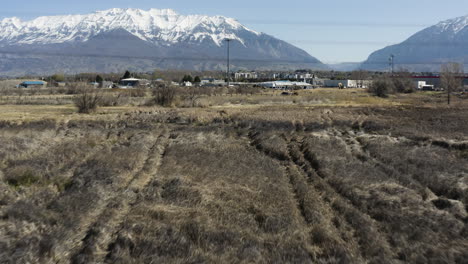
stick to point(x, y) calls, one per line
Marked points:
point(400, 82)
point(164, 95)
point(382, 87)
point(88, 100)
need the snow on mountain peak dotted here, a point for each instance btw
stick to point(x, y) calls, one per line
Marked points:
point(153, 25)
point(454, 25)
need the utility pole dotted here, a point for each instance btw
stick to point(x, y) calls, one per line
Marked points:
point(391, 62)
point(228, 70)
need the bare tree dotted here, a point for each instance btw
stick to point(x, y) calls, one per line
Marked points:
point(451, 77)
point(192, 95)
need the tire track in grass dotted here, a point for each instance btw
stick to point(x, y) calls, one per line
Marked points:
point(336, 243)
point(67, 242)
point(372, 244)
point(402, 175)
point(285, 164)
point(357, 150)
point(313, 204)
point(289, 171)
point(61, 171)
point(105, 230)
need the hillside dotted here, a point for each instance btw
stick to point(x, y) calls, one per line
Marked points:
point(120, 39)
point(427, 49)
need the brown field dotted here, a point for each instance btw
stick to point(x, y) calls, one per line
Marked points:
point(328, 176)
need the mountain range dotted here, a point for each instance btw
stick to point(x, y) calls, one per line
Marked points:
point(139, 40)
point(117, 39)
point(426, 50)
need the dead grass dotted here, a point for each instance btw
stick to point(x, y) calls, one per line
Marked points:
point(357, 179)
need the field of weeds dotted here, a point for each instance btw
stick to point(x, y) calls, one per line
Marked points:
point(364, 182)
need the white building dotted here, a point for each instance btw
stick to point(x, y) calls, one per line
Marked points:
point(212, 82)
point(347, 83)
point(422, 85)
point(286, 85)
point(245, 75)
point(187, 84)
point(336, 83)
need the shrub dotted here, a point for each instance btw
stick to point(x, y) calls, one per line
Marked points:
point(87, 101)
point(403, 85)
point(73, 89)
point(22, 177)
point(191, 95)
point(164, 95)
point(113, 99)
point(403, 82)
point(382, 87)
point(138, 92)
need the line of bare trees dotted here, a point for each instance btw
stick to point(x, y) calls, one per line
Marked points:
point(451, 77)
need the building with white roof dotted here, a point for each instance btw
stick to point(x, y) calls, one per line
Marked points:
point(286, 85)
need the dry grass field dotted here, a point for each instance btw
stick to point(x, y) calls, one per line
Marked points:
point(328, 176)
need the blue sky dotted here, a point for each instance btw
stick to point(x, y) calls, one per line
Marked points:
point(332, 30)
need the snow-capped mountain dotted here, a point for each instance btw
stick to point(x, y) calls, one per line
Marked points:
point(153, 26)
point(453, 26)
point(150, 39)
point(427, 49)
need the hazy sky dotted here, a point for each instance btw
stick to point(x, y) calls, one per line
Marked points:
point(332, 30)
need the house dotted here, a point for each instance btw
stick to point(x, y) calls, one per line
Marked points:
point(205, 81)
point(187, 84)
point(132, 83)
point(33, 84)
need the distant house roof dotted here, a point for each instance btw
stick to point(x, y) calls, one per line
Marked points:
point(130, 80)
point(33, 83)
